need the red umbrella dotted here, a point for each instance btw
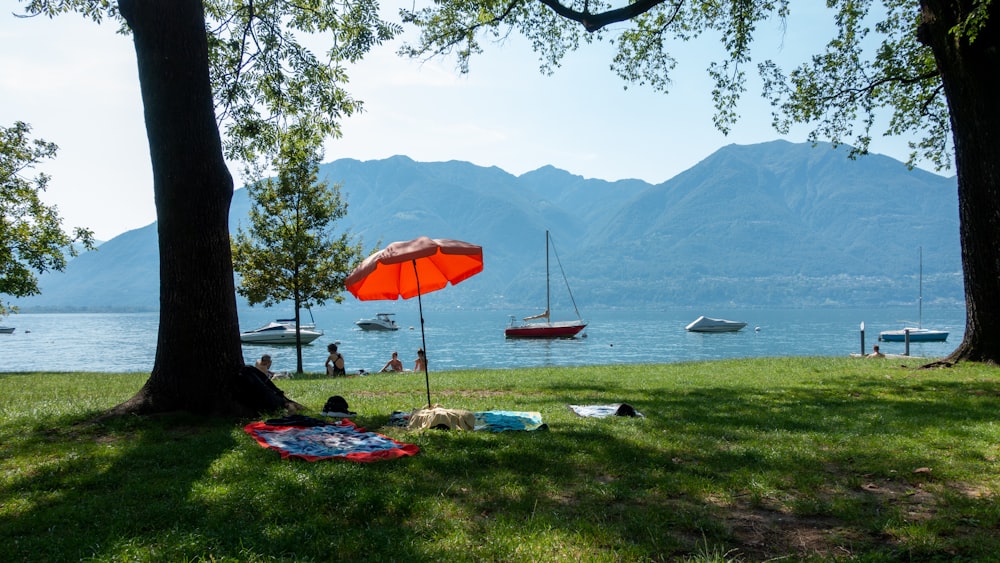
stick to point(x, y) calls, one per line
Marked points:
point(412, 268)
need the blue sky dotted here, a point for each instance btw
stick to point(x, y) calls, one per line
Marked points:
point(75, 83)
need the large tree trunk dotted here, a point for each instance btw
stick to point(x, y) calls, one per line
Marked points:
point(971, 80)
point(198, 351)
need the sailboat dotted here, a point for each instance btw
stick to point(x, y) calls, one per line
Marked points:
point(541, 325)
point(917, 333)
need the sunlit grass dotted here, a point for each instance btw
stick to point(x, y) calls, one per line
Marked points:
point(741, 460)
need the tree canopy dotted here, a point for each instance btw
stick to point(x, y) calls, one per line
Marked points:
point(264, 74)
point(32, 240)
point(264, 68)
point(930, 65)
point(872, 65)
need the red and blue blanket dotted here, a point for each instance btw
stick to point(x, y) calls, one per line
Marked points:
point(305, 439)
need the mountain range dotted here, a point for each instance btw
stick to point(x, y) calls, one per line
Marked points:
point(776, 225)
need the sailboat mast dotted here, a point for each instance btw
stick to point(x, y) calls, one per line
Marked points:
point(920, 298)
point(548, 305)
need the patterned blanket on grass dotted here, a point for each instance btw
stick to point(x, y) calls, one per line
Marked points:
point(336, 440)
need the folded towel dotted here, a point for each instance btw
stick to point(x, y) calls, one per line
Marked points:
point(602, 411)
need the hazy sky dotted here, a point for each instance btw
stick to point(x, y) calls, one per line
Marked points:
point(75, 82)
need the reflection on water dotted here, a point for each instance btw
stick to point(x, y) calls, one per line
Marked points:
point(474, 339)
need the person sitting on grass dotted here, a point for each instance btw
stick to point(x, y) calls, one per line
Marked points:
point(264, 365)
point(335, 362)
point(394, 364)
point(255, 390)
point(876, 353)
point(421, 362)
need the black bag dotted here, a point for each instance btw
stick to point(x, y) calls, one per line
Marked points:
point(626, 409)
point(336, 404)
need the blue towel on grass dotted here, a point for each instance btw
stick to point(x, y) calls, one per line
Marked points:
point(499, 421)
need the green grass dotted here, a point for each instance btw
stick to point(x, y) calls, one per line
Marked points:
point(744, 460)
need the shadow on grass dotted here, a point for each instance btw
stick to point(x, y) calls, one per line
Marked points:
point(800, 471)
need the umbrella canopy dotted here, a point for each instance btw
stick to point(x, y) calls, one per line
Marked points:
point(412, 268)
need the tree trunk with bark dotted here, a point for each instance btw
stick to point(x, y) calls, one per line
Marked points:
point(198, 352)
point(969, 74)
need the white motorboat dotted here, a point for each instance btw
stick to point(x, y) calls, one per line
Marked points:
point(381, 321)
point(281, 331)
point(6, 330)
point(708, 324)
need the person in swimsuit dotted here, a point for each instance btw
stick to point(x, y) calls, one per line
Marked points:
point(335, 362)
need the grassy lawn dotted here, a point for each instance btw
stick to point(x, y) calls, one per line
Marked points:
point(743, 460)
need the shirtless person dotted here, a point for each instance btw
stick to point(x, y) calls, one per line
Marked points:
point(264, 365)
point(395, 364)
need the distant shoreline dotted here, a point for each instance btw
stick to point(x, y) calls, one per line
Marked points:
point(73, 310)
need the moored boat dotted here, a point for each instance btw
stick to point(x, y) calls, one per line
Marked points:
point(541, 325)
point(708, 324)
point(281, 331)
point(381, 321)
point(6, 330)
point(915, 334)
point(559, 329)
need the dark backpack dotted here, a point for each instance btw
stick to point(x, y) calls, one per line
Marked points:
point(626, 409)
point(336, 403)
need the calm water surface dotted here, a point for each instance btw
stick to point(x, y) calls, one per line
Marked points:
point(459, 339)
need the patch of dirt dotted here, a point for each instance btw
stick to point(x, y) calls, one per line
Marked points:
point(768, 530)
point(764, 534)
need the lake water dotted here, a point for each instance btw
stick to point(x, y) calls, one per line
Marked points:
point(459, 339)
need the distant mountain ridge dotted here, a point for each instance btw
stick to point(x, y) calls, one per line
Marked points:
point(775, 224)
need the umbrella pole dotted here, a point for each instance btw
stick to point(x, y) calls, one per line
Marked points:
point(423, 338)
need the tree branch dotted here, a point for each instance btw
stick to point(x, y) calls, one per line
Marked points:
point(876, 83)
point(594, 22)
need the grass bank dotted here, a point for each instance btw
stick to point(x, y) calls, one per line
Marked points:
point(743, 460)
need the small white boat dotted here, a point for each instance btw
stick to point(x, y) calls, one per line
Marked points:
point(281, 331)
point(6, 330)
point(708, 324)
point(381, 321)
